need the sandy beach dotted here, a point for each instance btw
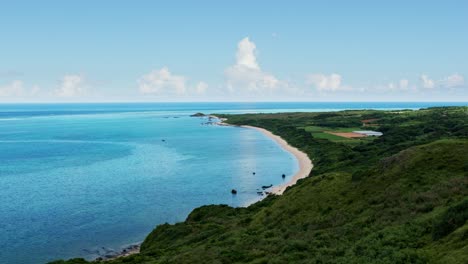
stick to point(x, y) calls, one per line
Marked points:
point(305, 167)
point(305, 164)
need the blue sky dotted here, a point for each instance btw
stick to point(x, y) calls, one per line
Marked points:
point(73, 51)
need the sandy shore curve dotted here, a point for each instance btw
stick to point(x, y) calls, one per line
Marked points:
point(305, 167)
point(305, 164)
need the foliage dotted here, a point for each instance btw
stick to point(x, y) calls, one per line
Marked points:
point(400, 198)
point(454, 217)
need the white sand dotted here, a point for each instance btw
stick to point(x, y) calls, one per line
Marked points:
point(305, 164)
point(305, 167)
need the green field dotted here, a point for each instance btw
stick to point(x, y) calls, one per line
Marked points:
point(398, 198)
point(320, 132)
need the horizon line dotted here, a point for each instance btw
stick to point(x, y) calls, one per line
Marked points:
point(204, 102)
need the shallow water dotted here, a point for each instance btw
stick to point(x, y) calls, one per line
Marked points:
point(80, 179)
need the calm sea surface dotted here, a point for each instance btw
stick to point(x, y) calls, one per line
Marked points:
point(77, 180)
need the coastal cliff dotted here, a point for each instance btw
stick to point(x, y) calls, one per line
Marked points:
point(397, 198)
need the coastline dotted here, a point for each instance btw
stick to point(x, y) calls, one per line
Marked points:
point(305, 167)
point(305, 164)
point(126, 251)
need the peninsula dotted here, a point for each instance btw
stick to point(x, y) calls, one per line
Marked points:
point(396, 198)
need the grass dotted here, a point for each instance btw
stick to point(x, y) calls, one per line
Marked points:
point(400, 198)
point(328, 136)
point(320, 132)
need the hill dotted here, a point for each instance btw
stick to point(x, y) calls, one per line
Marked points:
point(398, 198)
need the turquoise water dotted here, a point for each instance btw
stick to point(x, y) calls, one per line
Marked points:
point(81, 179)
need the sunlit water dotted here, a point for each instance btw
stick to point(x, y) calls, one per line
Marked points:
point(77, 180)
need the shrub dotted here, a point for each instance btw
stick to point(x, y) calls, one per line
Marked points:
point(454, 217)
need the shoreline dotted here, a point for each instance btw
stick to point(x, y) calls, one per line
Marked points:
point(124, 252)
point(305, 167)
point(305, 164)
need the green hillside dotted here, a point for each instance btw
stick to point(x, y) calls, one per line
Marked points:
point(398, 198)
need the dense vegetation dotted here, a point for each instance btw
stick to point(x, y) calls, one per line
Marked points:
point(399, 198)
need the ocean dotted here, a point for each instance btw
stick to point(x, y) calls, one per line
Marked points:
point(79, 180)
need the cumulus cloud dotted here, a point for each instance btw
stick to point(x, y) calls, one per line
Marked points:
point(451, 81)
point(404, 84)
point(16, 89)
point(454, 80)
point(324, 82)
point(254, 80)
point(327, 83)
point(162, 81)
point(35, 90)
point(201, 88)
point(246, 73)
point(246, 54)
point(71, 85)
point(427, 82)
point(401, 85)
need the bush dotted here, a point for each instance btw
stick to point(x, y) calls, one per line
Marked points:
point(453, 218)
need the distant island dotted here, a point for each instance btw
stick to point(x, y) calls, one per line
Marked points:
point(198, 115)
point(396, 194)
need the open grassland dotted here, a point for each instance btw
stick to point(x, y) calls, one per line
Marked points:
point(399, 198)
point(343, 135)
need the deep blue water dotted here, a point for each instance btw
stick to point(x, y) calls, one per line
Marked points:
point(75, 178)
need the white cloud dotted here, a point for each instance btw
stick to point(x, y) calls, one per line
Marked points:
point(201, 88)
point(71, 85)
point(324, 82)
point(246, 73)
point(254, 80)
point(327, 83)
point(451, 81)
point(246, 54)
point(404, 84)
point(15, 88)
point(454, 80)
point(427, 82)
point(35, 90)
point(162, 82)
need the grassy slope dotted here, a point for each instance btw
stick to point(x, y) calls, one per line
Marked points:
point(401, 198)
